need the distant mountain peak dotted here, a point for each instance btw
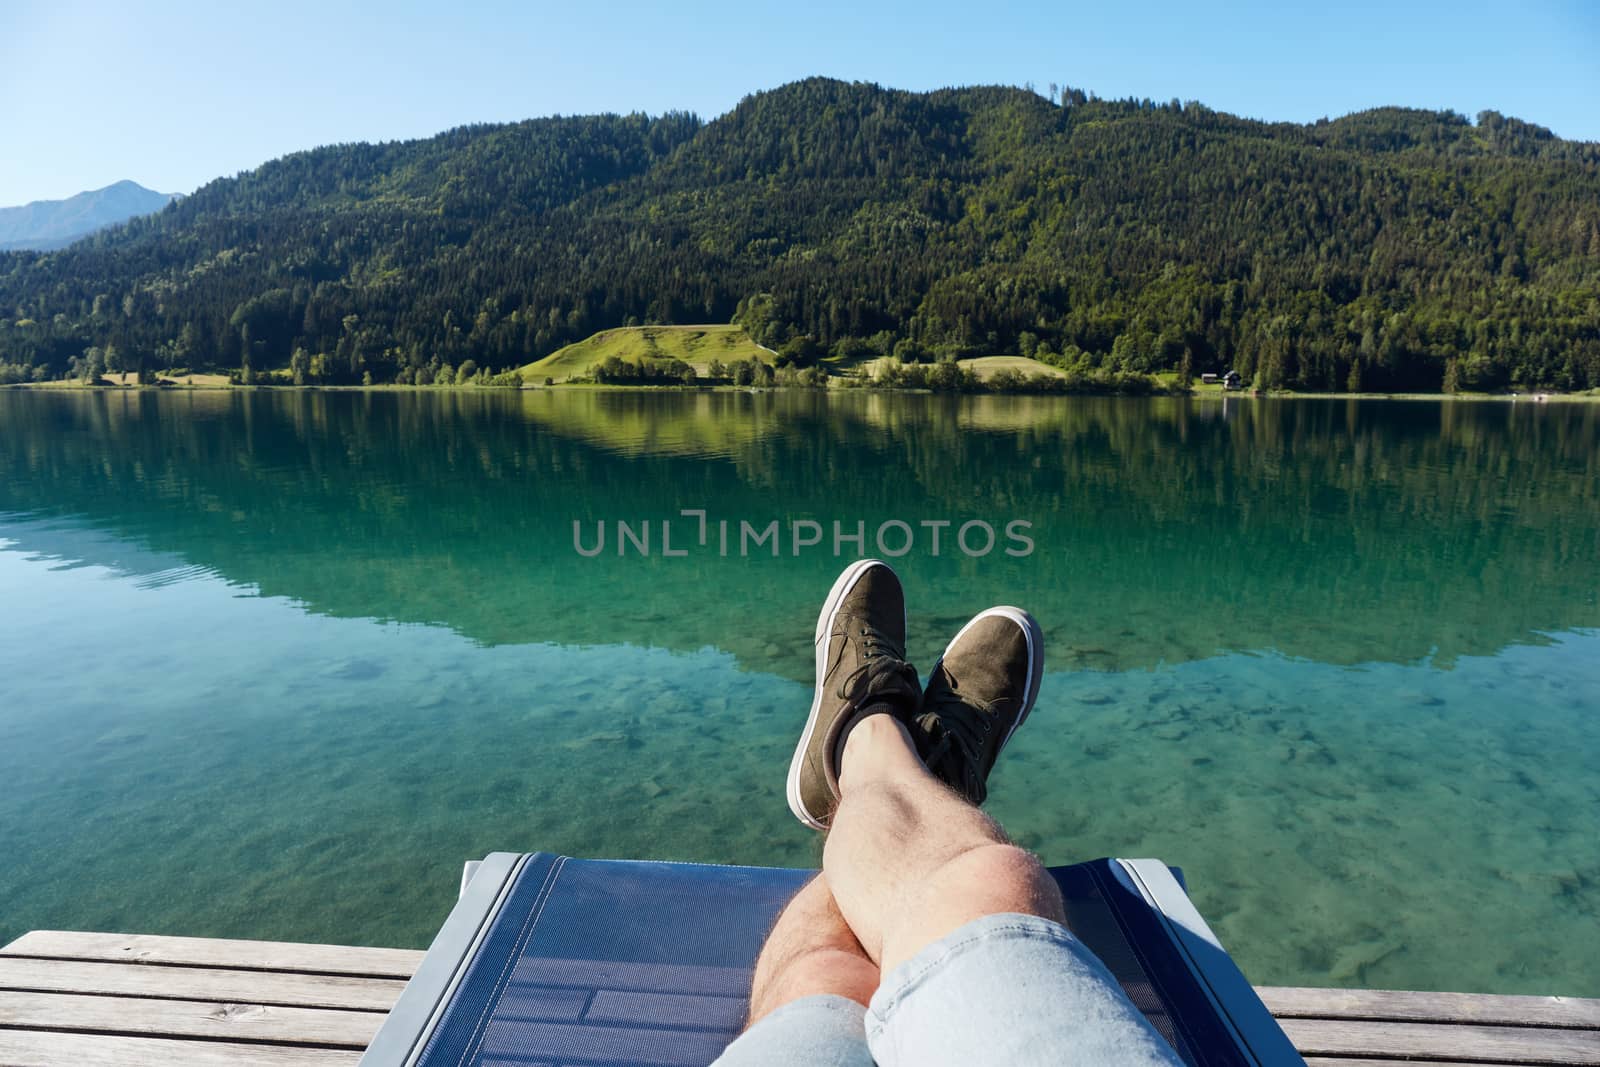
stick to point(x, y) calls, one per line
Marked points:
point(47, 224)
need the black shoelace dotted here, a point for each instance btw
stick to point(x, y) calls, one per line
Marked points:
point(960, 732)
point(883, 673)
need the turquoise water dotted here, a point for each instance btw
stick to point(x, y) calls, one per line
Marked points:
point(274, 665)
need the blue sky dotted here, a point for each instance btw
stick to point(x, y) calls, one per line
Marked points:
point(172, 94)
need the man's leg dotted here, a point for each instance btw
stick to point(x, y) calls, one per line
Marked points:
point(975, 963)
point(910, 861)
point(813, 980)
point(968, 930)
point(810, 951)
point(808, 999)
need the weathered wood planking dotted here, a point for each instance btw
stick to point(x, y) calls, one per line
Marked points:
point(1443, 1041)
point(1382, 1004)
point(214, 1020)
point(102, 999)
point(35, 1048)
point(211, 952)
point(283, 989)
point(1319, 1061)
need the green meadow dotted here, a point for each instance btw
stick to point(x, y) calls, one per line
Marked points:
point(694, 345)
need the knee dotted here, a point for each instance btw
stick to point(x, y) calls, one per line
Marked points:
point(1011, 877)
point(813, 973)
point(847, 974)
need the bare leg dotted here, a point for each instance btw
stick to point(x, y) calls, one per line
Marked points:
point(810, 951)
point(909, 861)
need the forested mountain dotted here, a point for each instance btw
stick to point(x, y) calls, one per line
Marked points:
point(1391, 249)
point(46, 224)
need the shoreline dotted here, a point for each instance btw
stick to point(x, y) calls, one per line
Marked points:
point(1205, 394)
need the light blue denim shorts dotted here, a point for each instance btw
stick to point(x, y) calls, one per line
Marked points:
point(1009, 990)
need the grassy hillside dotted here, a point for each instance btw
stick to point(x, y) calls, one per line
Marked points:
point(695, 345)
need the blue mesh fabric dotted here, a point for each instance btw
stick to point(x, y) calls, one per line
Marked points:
point(627, 964)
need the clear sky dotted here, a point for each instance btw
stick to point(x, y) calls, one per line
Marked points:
point(172, 94)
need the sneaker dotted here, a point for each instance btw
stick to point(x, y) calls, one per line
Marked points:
point(980, 691)
point(860, 645)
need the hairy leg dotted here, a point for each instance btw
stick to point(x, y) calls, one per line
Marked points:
point(909, 861)
point(810, 951)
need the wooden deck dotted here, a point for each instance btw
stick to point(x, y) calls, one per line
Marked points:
point(91, 1000)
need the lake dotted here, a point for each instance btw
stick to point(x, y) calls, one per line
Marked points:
point(273, 665)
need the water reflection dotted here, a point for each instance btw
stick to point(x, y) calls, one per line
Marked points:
point(1165, 531)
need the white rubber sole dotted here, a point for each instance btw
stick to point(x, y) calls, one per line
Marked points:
point(1035, 639)
point(819, 643)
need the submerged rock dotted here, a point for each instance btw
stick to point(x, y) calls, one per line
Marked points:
point(356, 670)
point(603, 737)
point(1352, 961)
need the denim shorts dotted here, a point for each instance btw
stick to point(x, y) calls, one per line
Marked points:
point(1008, 990)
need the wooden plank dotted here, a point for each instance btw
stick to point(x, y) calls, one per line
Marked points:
point(213, 952)
point(1292, 1002)
point(199, 983)
point(30, 1048)
point(1443, 1041)
point(1340, 1061)
point(188, 1018)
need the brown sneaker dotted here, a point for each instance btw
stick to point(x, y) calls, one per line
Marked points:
point(860, 643)
point(980, 691)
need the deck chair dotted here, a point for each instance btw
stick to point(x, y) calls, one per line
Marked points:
point(559, 962)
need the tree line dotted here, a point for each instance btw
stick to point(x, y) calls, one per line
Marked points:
point(1391, 249)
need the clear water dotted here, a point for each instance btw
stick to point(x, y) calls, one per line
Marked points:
point(274, 665)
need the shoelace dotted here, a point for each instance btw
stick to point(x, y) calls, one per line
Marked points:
point(883, 670)
point(961, 729)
